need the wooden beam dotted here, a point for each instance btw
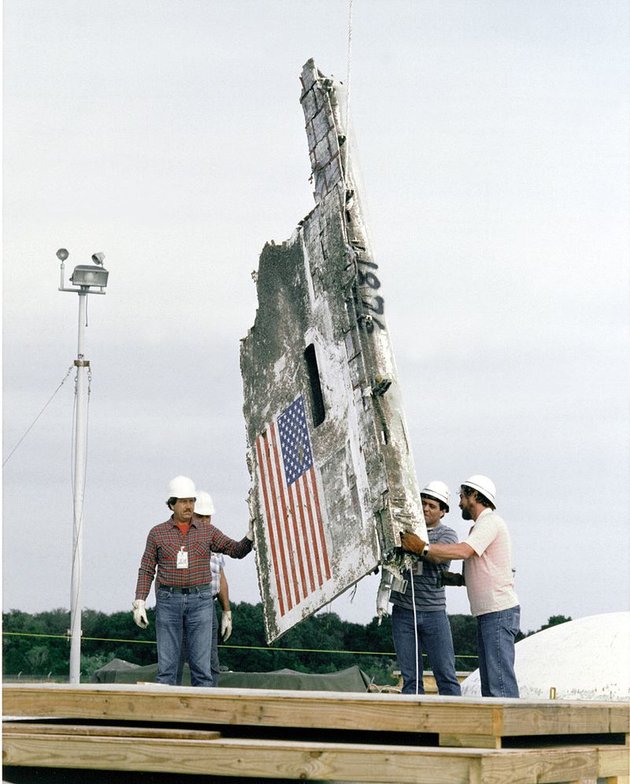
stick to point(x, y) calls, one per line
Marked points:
point(447, 716)
point(120, 731)
point(308, 761)
point(461, 741)
point(248, 759)
point(615, 765)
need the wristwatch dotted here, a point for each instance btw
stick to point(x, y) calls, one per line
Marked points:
point(425, 551)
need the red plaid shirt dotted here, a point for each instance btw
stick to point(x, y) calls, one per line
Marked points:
point(166, 540)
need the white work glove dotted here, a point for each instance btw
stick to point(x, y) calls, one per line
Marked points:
point(226, 624)
point(140, 613)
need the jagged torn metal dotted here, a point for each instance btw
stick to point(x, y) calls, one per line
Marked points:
point(332, 476)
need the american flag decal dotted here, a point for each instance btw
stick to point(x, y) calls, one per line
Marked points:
point(292, 509)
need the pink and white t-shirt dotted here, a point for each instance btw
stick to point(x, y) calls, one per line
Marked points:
point(489, 576)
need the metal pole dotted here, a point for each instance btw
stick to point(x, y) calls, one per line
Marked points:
point(80, 449)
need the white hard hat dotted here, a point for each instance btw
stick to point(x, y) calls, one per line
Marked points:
point(204, 504)
point(439, 491)
point(484, 485)
point(181, 487)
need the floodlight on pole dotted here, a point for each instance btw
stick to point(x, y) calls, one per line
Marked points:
point(85, 279)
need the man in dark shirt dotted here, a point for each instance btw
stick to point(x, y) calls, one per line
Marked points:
point(180, 549)
point(419, 619)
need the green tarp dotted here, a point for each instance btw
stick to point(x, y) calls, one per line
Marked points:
point(350, 679)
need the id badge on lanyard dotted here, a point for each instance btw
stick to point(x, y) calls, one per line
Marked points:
point(182, 558)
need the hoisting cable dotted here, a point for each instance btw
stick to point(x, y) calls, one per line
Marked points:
point(415, 629)
point(28, 430)
point(348, 69)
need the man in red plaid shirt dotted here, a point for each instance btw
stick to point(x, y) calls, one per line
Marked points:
point(180, 548)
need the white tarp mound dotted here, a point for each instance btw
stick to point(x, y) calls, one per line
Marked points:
point(585, 659)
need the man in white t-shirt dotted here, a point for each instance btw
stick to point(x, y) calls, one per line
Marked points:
point(489, 578)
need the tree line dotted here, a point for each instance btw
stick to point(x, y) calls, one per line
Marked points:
point(37, 645)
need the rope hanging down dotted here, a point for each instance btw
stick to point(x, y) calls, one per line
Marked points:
point(348, 67)
point(28, 430)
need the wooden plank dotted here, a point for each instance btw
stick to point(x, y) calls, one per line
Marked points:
point(615, 762)
point(619, 717)
point(553, 718)
point(241, 706)
point(575, 763)
point(247, 759)
point(460, 741)
point(564, 717)
point(310, 761)
point(178, 733)
point(551, 766)
point(447, 716)
point(476, 739)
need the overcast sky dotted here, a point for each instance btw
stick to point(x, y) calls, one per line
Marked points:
point(493, 144)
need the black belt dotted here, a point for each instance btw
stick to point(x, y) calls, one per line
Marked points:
point(192, 589)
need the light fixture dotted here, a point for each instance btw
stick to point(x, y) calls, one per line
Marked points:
point(84, 275)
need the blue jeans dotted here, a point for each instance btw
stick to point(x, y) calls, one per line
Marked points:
point(434, 636)
point(496, 634)
point(184, 619)
point(214, 654)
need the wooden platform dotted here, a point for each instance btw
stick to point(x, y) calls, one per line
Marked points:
point(315, 736)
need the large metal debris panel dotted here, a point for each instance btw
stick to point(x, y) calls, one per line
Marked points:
point(332, 476)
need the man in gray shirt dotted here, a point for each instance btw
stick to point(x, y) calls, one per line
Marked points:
point(419, 619)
